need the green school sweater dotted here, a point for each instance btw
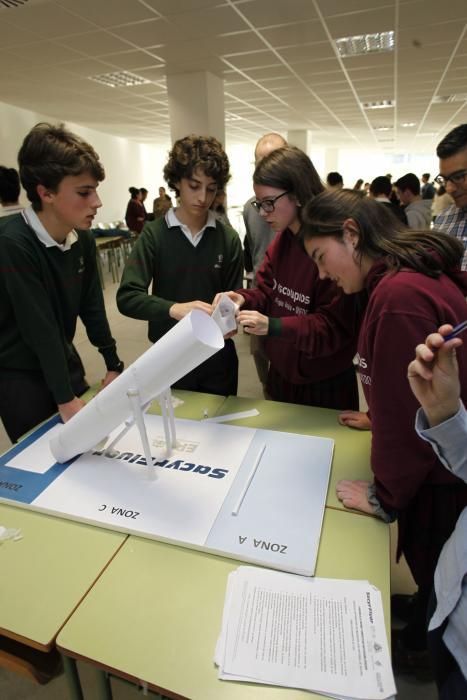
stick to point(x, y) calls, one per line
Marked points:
point(42, 293)
point(178, 272)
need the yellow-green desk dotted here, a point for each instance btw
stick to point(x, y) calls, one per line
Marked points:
point(351, 459)
point(45, 575)
point(154, 615)
point(156, 611)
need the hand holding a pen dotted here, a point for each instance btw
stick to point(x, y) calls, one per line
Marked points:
point(434, 376)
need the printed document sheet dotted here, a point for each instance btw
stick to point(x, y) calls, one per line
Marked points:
point(322, 635)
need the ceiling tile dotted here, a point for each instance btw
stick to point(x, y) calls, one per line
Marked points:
point(131, 60)
point(100, 13)
point(48, 20)
point(95, 43)
point(264, 13)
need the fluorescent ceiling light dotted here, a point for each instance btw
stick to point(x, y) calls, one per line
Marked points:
point(444, 99)
point(7, 4)
point(365, 43)
point(119, 79)
point(379, 104)
point(406, 125)
point(383, 128)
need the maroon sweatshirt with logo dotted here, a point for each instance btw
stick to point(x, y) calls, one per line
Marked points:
point(403, 308)
point(314, 326)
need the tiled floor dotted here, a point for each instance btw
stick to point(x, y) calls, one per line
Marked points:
point(132, 340)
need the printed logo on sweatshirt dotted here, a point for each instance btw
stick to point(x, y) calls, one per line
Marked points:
point(362, 363)
point(80, 265)
point(220, 260)
point(292, 293)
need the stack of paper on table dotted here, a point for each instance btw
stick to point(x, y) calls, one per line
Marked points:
point(322, 635)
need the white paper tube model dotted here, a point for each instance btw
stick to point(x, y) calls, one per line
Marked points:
point(189, 343)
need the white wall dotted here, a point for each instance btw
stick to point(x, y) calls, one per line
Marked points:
point(354, 164)
point(127, 163)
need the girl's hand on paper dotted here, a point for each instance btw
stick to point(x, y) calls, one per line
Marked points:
point(354, 494)
point(355, 419)
point(253, 322)
point(179, 311)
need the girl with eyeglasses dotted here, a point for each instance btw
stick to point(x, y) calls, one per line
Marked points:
point(415, 285)
point(309, 326)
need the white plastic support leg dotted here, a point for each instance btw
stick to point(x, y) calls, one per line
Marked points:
point(134, 396)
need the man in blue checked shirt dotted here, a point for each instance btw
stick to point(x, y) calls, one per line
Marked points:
point(452, 154)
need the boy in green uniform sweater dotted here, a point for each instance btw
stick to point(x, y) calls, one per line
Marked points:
point(188, 256)
point(48, 277)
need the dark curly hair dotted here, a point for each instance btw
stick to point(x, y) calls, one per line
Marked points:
point(51, 152)
point(193, 152)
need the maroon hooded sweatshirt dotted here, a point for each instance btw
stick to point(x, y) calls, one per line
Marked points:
point(313, 326)
point(403, 308)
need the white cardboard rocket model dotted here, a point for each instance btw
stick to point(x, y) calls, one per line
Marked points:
point(189, 343)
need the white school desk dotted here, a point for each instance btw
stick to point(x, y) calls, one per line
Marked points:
point(154, 615)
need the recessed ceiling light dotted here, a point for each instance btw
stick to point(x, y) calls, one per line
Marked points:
point(379, 104)
point(383, 128)
point(427, 133)
point(365, 43)
point(119, 79)
point(406, 125)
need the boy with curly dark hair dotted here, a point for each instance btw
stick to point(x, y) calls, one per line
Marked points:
point(188, 256)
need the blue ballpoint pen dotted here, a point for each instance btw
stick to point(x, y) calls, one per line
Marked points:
point(456, 330)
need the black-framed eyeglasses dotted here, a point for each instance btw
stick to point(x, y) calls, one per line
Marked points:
point(456, 178)
point(267, 205)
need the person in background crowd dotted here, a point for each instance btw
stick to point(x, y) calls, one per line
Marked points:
point(161, 204)
point(218, 207)
point(380, 191)
point(417, 210)
point(428, 189)
point(9, 191)
point(143, 193)
point(334, 181)
point(452, 154)
point(135, 213)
